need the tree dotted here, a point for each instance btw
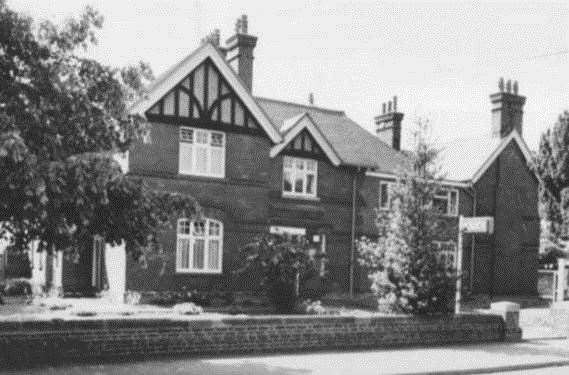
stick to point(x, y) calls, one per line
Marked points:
point(407, 272)
point(62, 118)
point(284, 266)
point(552, 164)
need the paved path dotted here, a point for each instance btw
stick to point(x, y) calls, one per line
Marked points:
point(530, 357)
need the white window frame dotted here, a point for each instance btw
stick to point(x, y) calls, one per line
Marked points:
point(447, 194)
point(192, 169)
point(388, 187)
point(207, 240)
point(303, 173)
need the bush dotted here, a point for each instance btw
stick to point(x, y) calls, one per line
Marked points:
point(285, 267)
point(407, 271)
point(16, 287)
point(187, 308)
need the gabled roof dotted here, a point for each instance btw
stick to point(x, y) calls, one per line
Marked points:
point(293, 126)
point(178, 72)
point(353, 145)
point(466, 159)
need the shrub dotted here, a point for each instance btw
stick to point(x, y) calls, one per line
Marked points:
point(407, 272)
point(285, 266)
point(17, 287)
point(187, 308)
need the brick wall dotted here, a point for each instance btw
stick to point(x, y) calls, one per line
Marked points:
point(248, 200)
point(57, 340)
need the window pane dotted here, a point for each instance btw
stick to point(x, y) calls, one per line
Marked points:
point(453, 203)
point(199, 248)
point(202, 137)
point(183, 227)
point(201, 160)
point(213, 255)
point(297, 145)
point(216, 162)
point(185, 158)
point(299, 164)
point(214, 229)
point(307, 143)
point(311, 165)
point(287, 181)
point(186, 135)
point(298, 182)
point(199, 229)
point(217, 139)
point(287, 162)
point(310, 184)
point(184, 253)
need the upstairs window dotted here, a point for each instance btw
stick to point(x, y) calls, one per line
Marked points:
point(202, 152)
point(385, 195)
point(446, 201)
point(299, 177)
point(199, 247)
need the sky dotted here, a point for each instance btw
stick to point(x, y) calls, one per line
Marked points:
point(442, 59)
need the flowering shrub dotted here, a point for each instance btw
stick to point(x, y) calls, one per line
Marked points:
point(187, 308)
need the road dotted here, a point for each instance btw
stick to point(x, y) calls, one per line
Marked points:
point(529, 357)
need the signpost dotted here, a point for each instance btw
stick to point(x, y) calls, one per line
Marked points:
point(472, 225)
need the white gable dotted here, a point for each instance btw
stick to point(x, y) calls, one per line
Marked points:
point(176, 74)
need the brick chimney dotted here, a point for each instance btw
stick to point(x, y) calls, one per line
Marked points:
point(507, 109)
point(240, 51)
point(388, 124)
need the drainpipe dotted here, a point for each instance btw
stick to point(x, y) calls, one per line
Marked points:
point(473, 242)
point(353, 231)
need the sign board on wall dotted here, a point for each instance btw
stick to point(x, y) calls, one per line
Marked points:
point(480, 224)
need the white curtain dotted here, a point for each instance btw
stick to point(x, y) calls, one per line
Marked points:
point(115, 263)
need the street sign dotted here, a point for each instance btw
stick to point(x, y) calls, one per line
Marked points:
point(480, 224)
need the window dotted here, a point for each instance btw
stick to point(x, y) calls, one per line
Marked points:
point(446, 250)
point(199, 247)
point(299, 177)
point(292, 234)
point(446, 201)
point(385, 195)
point(202, 152)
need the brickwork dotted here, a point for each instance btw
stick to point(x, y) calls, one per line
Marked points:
point(36, 341)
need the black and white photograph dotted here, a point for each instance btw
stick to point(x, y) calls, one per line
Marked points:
point(285, 188)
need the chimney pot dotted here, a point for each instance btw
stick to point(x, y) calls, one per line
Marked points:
point(239, 51)
point(311, 99)
point(507, 109)
point(388, 124)
point(501, 84)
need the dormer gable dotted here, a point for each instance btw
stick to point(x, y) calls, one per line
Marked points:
point(304, 139)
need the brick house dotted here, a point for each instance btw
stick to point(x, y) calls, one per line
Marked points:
point(259, 165)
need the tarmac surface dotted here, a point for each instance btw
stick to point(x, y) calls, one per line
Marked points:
point(536, 356)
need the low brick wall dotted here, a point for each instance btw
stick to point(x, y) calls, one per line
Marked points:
point(54, 341)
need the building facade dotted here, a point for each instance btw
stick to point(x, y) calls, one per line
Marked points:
point(259, 165)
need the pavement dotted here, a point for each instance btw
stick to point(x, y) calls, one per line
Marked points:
point(539, 356)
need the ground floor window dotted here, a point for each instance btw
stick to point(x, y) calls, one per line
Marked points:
point(199, 246)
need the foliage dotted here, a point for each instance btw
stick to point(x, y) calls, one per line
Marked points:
point(15, 287)
point(407, 273)
point(284, 265)
point(552, 164)
point(62, 118)
point(187, 308)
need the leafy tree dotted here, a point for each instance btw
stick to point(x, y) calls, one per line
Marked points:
point(407, 272)
point(62, 118)
point(284, 266)
point(552, 164)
